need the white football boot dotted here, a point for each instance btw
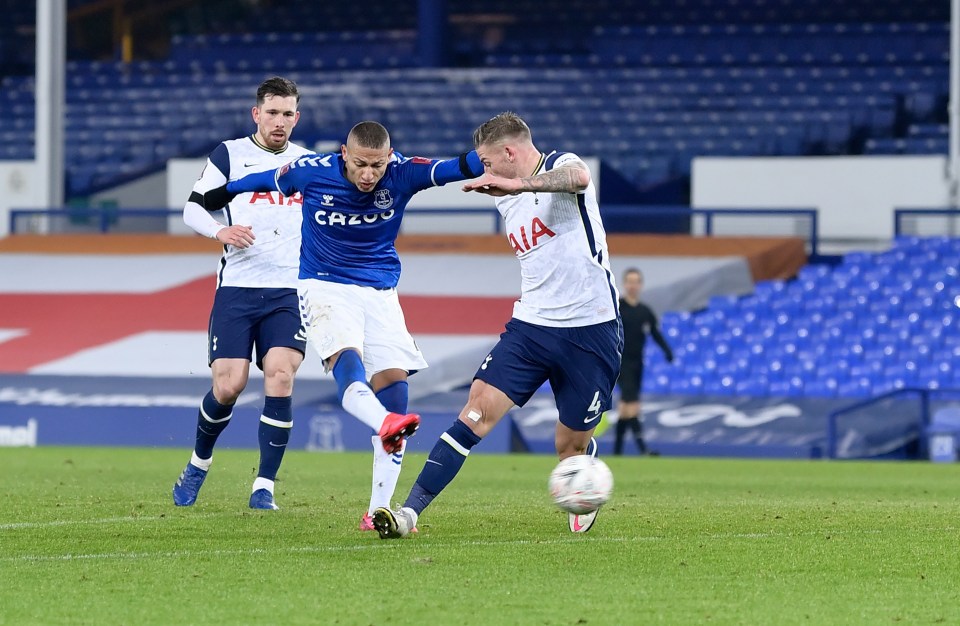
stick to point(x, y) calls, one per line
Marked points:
point(583, 522)
point(394, 524)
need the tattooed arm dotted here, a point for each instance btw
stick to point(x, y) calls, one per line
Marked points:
point(570, 178)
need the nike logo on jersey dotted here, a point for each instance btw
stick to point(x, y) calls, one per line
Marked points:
point(278, 445)
point(301, 335)
point(587, 420)
point(249, 164)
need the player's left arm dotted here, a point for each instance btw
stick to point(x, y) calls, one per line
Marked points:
point(259, 181)
point(423, 173)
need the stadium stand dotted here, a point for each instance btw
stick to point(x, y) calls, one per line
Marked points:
point(645, 85)
point(873, 324)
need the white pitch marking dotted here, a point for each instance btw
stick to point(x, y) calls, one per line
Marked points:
point(105, 520)
point(37, 558)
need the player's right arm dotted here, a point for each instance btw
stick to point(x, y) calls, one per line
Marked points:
point(571, 176)
point(197, 211)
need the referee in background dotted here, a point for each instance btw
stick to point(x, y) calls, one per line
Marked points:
point(638, 321)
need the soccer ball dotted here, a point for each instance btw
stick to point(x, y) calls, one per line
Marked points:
point(581, 484)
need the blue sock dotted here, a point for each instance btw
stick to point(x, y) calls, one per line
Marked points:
point(212, 418)
point(442, 465)
point(394, 396)
point(274, 433)
point(348, 370)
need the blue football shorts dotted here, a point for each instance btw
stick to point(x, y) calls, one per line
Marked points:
point(582, 364)
point(246, 318)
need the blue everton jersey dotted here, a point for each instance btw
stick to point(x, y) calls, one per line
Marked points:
point(348, 235)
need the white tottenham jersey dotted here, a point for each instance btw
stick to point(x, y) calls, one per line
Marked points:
point(562, 247)
point(274, 258)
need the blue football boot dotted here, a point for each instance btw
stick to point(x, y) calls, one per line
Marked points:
point(262, 499)
point(188, 485)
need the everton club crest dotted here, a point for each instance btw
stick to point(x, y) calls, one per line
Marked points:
point(382, 199)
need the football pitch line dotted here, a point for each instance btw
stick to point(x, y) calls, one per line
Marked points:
point(104, 520)
point(176, 554)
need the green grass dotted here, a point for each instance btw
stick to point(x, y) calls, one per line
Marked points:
point(91, 536)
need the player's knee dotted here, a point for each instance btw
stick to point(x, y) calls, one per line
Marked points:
point(279, 380)
point(228, 386)
point(226, 391)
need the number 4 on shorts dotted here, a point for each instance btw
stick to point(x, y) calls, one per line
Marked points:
point(595, 405)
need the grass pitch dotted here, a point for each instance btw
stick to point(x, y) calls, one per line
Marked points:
point(90, 536)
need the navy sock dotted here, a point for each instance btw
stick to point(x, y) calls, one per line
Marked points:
point(348, 370)
point(212, 418)
point(442, 465)
point(592, 448)
point(394, 396)
point(274, 433)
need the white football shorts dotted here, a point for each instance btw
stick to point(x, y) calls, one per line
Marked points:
point(339, 316)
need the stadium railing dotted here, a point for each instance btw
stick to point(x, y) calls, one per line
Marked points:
point(635, 218)
point(925, 222)
point(716, 221)
point(922, 396)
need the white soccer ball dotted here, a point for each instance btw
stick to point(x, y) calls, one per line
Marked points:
point(581, 484)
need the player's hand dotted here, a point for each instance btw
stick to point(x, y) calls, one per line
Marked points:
point(217, 198)
point(493, 185)
point(237, 236)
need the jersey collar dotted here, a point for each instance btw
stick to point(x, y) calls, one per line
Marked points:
point(543, 159)
point(256, 142)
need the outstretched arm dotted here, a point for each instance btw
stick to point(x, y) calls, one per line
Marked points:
point(219, 197)
point(423, 173)
point(570, 178)
point(260, 181)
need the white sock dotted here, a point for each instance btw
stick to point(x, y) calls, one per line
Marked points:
point(360, 402)
point(413, 516)
point(203, 464)
point(262, 483)
point(386, 473)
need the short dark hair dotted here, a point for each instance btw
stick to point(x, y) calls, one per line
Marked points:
point(632, 270)
point(277, 86)
point(504, 126)
point(370, 135)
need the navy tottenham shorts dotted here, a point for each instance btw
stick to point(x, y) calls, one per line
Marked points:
point(244, 318)
point(582, 364)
